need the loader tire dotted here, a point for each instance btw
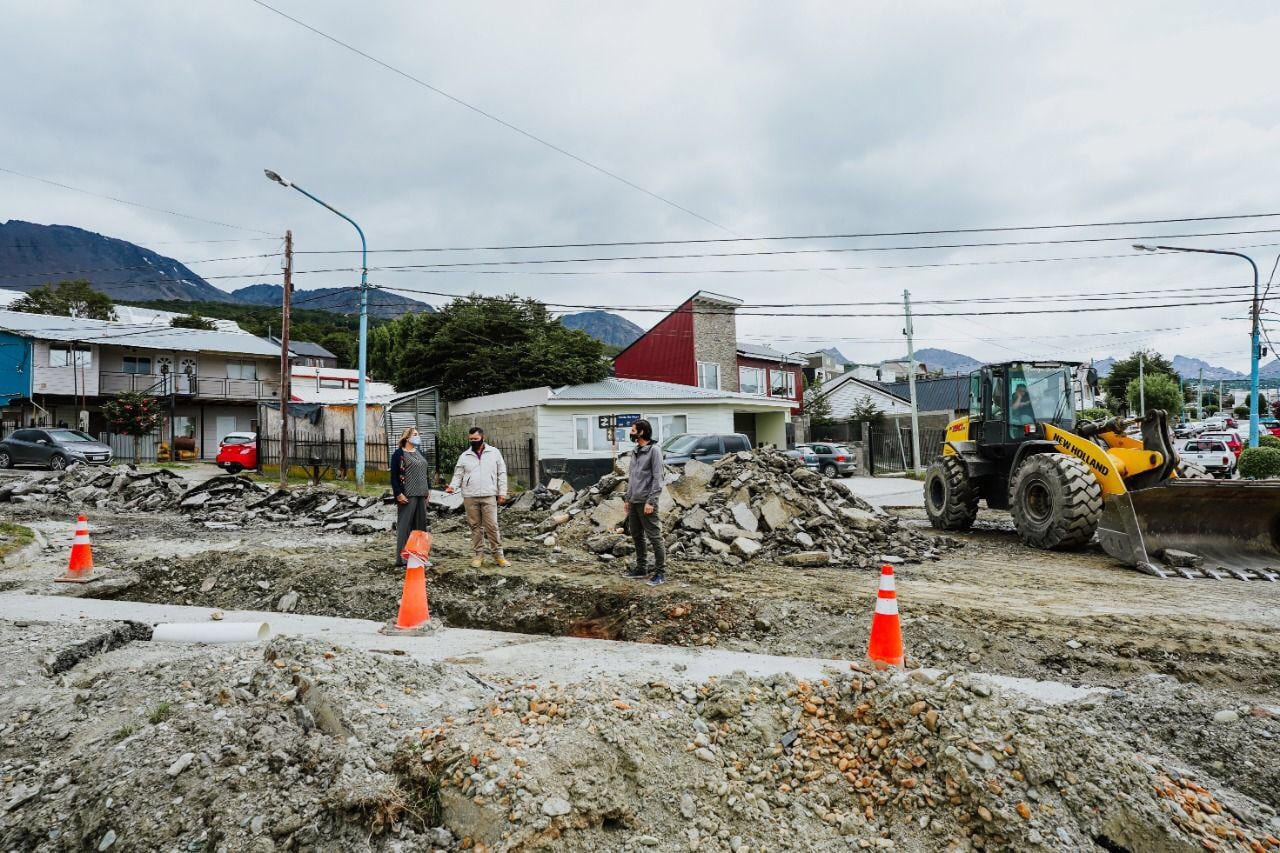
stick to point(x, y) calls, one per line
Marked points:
point(950, 497)
point(1192, 471)
point(1055, 501)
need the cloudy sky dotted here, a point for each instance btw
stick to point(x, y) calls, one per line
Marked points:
point(758, 119)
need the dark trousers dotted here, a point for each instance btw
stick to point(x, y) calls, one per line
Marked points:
point(409, 517)
point(645, 529)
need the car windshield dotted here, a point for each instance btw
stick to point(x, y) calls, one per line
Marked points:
point(69, 436)
point(679, 444)
point(237, 439)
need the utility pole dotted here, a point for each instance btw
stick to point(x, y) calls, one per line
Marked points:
point(911, 384)
point(286, 369)
point(1142, 389)
point(1200, 395)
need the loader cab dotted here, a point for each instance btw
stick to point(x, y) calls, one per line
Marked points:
point(1007, 402)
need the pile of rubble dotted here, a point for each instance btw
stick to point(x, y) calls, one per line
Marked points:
point(748, 505)
point(226, 501)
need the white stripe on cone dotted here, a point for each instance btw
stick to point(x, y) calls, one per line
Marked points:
point(416, 562)
point(886, 583)
point(887, 606)
point(81, 539)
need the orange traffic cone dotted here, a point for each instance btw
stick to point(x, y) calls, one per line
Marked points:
point(885, 648)
point(80, 566)
point(414, 614)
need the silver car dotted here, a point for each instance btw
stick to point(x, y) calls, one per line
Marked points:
point(54, 449)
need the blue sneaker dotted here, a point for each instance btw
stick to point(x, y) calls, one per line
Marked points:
point(658, 578)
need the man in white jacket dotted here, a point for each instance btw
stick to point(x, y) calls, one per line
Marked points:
point(481, 474)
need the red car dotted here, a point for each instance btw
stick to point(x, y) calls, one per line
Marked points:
point(238, 451)
point(1231, 439)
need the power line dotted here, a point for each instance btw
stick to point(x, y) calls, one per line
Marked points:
point(479, 111)
point(131, 203)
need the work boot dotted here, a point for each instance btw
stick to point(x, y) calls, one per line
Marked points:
point(659, 577)
point(504, 562)
point(636, 572)
point(477, 562)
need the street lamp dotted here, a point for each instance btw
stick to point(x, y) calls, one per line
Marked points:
point(364, 320)
point(1255, 350)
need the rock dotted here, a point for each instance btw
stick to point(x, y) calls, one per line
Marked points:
point(691, 488)
point(287, 602)
point(981, 760)
point(198, 499)
point(775, 514)
point(1181, 559)
point(556, 807)
point(559, 486)
point(549, 541)
point(1074, 644)
point(108, 839)
point(365, 526)
point(524, 503)
point(745, 548)
point(181, 764)
point(728, 532)
point(560, 518)
point(609, 514)
point(704, 754)
point(603, 543)
point(804, 540)
point(713, 545)
point(217, 615)
point(695, 519)
point(688, 809)
point(1226, 716)
point(744, 517)
point(807, 558)
point(804, 475)
point(859, 519)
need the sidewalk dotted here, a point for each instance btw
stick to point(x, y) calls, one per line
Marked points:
point(887, 492)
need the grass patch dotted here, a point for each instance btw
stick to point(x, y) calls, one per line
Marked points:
point(161, 712)
point(14, 537)
point(125, 731)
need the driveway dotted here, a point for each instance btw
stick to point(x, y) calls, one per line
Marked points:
point(887, 491)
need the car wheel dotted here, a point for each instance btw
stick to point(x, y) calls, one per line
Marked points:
point(57, 462)
point(234, 467)
point(830, 470)
point(6, 461)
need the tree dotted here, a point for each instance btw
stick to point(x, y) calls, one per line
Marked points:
point(1161, 391)
point(484, 345)
point(865, 409)
point(1125, 371)
point(192, 321)
point(1275, 410)
point(817, 406)
point(67, 299)
point(134, 414)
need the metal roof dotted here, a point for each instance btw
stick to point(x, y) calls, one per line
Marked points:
point(309, 349)
point(761, 351)
point(614, 388)
point(950, 393)
point(47, 327)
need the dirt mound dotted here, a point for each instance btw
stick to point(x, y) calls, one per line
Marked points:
point(761, 505)
point(225, 502)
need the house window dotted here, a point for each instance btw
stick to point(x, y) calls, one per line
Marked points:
point(666, 426)
point(751, 380)
point(581, 434)
point(242, 370)
point(709, 375)
point(61, 356)
point(589, 437)
point(332, 383)
point(136, 364)
point(782, 383)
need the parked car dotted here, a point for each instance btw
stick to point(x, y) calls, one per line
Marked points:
point(834, 460)
point(1211, 454)
point(54, 449)
point(1229, 437)
point(805, 455)
point(238, 451)
point(1270, 425)
point(705, 447)
point(1187, 429)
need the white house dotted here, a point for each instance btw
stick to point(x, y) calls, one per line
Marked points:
point(845, 392)
point(564, 423)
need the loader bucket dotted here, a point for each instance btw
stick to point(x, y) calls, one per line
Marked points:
point(1232, 527)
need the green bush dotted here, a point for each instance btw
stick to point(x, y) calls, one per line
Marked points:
point(1241, 411)
point(451, 442)
point(1269, 441)
point(1260, 463)
point(1092, 414)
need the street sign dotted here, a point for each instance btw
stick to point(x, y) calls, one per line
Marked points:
point(626, 420)
point(616, 421)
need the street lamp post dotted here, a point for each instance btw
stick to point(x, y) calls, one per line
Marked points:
point(364, 321)
point(1255, 349)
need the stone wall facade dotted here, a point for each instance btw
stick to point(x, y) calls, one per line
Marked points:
point(715, 339)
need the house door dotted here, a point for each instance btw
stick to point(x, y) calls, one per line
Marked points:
point(225, 424)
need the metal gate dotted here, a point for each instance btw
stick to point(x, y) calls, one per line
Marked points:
point(889, 447)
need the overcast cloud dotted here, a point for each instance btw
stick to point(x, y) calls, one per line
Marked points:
point(767, 118)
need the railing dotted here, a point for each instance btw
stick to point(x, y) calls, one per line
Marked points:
point(191, 386)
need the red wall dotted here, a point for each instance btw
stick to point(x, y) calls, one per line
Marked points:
point(662, 354)
point(795, 369)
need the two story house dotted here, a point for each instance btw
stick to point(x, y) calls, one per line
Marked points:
point(61, 369)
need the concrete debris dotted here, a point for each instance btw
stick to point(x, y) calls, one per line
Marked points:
point(748, 506)
point(224, 502)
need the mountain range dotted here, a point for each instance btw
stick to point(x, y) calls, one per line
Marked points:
point(605, 327)
point(950, 363)
point(337, 300)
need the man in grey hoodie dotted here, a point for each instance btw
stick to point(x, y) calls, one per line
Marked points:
point(644, 484)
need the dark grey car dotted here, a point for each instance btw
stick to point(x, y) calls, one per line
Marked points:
point(54, 449)
point(834, 460)
point(707, 447)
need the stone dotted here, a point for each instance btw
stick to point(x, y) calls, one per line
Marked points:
point(549, 541)
point(609, 514)
point(713, 545)
point(1181, 559)
point(804, 540)
point(695, 519)
point(688, 809)
point(198, 499)
point(775, 513)
point(704, 754)
point(691, 488)
point(744, 517)
point(728, 532)
point(563, 501)
point(560, 518)
point(108, 839)
point(1226, 716)
point(555, 484)
point(524, 503)
point(287, 602)
point(556, 807)
point(326, 507)
point(807, 558)
point(364, 526)
point(603, 543)
point(181, 764)
point(981, 760)
point(859, 519)
point(1074, 644)
point(745, 547)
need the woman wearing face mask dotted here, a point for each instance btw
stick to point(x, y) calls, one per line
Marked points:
point(411, 484)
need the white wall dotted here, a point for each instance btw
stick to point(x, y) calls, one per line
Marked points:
point(555, 423)
point(63, 380)
point(842, 400)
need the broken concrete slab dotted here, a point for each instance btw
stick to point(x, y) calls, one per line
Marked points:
point(745, 548)
point(807, 559)
point(744, 517)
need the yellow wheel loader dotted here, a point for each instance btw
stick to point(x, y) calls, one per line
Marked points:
point(1021, 449)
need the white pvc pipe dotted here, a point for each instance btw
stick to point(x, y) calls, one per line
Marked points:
point(211, 632)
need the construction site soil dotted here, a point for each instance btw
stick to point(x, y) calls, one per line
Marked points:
point(1174, 751)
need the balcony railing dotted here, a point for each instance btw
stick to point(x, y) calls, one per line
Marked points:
point(206, 387)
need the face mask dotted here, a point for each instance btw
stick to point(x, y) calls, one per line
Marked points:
point(476, 445)
point(415, 440)
point(635, 436)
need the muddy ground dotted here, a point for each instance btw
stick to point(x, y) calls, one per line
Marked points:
point(1189, 666)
